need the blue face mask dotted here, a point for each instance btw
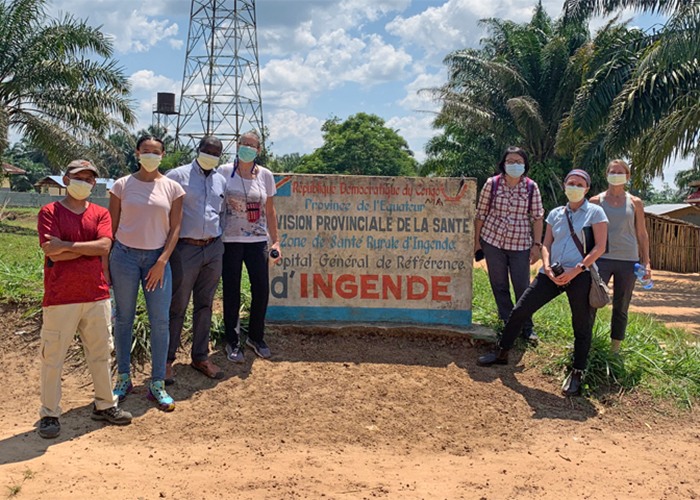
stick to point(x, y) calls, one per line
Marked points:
point(515, 170)
point(247, 154)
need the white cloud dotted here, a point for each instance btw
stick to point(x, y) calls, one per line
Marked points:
point(176, 44)
point(295, 132)
point(294, 26)
point(145, 79)
point(454, 25)
point(416, 100)
point(416, 129)
point(336, 58)
point(129, 23)
point(384, 63)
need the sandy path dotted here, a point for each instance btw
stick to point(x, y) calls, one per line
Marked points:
point(674, 299)
point(347, 417)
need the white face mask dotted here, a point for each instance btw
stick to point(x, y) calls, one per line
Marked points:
point(515, 170)
point(207, 162)
point(617, 179)
point(79, 189)
point(150, 162)
point(575, 193)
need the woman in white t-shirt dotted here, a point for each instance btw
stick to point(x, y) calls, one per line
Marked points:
point(146, 210)
point(249, 224)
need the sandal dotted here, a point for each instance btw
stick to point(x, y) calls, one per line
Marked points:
point(208, 368)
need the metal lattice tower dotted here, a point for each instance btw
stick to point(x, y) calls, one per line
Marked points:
point(221, 82)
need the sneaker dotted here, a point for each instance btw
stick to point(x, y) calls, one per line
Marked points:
point(123, 386)
point(530, 336)
point(260, 347)
point(49, 427)
point(156, 392)
point(234, 354)
point(113, 415)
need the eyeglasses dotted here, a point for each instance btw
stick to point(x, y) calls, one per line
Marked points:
point(248, 144)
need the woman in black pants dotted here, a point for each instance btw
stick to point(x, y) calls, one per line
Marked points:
point(572, 277)
point(249, 224)
point(628, 246)
point(508, 216)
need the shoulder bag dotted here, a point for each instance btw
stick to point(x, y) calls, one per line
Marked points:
point(599, 296)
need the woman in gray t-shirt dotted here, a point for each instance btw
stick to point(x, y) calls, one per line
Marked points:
point(628, 244)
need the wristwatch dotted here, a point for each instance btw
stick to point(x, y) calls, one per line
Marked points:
point(582, 266)
point(537, 244)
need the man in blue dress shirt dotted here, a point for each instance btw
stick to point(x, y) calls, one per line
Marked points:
point(197, 259)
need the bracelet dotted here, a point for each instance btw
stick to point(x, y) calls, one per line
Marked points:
point(537, 244)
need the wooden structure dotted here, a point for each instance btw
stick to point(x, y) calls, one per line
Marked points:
point(7, 171)
point(51, 184)
point(674, 244)
point(680, 211)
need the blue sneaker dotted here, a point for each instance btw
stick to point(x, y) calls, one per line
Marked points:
point(156, 392)
point(234, 354)
point(123, 386)
point(260, 347)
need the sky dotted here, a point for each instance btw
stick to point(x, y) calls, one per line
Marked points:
point(318, 58)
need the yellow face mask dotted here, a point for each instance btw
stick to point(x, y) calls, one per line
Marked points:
point(575, 193)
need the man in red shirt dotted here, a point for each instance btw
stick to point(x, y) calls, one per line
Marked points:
point(75, 236)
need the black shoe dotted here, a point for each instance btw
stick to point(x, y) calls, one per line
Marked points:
point(49, 427)
point(572, 384)
point(498, 357)
point(113, 415)
point(530, 336)
point(260, 347)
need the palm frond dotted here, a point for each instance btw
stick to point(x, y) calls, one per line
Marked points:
point(676, 135)
point(58, 87)
point(577, 10)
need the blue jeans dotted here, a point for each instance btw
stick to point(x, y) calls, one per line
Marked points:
point(128, 268)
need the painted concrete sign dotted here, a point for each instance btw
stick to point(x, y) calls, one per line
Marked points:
point(373, 249)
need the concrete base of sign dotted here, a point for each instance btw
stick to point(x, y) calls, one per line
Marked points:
point(476, 332)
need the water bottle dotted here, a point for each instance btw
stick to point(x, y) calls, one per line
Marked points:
point(640, 271)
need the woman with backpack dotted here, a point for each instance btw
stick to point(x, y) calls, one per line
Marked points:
point(509, 214)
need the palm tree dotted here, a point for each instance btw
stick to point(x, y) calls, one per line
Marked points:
point(645, 103)
point(514, 90)
point(51, 92)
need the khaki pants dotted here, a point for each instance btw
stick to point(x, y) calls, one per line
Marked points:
point(92, 321)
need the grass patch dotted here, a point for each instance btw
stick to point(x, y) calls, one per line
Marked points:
point(20, 217)
point(21, 266)
point(663, 361)
point(15, 489)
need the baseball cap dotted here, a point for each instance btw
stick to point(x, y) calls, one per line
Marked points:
point(79, 165)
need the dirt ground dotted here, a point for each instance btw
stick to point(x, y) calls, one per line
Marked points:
point(674, 299)
point(351, 417)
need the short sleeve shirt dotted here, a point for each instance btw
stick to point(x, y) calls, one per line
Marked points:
point(145, 214)
point(79, 280)
point(507, 219)
point(240, 194)
point(564, 249)
point(203, 202)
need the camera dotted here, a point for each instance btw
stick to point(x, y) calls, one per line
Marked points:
point(557, 269)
